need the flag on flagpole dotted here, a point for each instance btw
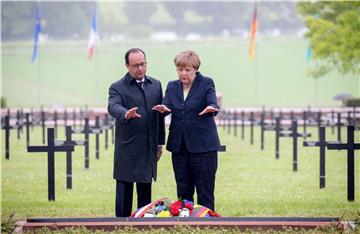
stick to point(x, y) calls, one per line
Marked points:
point(252, 33)
point(37, 31)
point(93, 38)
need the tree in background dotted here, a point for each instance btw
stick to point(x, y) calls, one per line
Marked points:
point(71, 20)
point(138, 14)
point(177, 10)
point(20, 27)
point(278, 14)
point(59, 19)
point(334, 33)
point(111, 18)
point(224, 15)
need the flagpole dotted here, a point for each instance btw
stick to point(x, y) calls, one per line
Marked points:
point(316, 88)
point(257, 88)
point(97, 74)
point(93, 40)
point(39, 78)
point(97, 57)
point(36, 51)
point(254, 52)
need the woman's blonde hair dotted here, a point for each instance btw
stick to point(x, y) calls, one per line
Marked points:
point(187, 58)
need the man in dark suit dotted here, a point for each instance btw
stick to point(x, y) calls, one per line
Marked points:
point(140, 132)
point(193, 138)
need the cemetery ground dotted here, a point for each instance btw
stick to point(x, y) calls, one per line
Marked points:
point(249, 182)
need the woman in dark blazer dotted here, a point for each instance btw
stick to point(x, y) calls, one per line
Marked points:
point(193, 138)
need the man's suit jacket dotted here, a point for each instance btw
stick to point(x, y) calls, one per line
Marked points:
point(199, 132)
point(136, 139)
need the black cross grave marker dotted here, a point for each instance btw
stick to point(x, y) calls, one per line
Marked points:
point(86, 131)
point(322, 146)
point(252, 121)
point(350, 146)
point(74, 118)
point(34, 120)
point(229, 118)
point(235, 122)
point(266, 127)
point(69, 142)
point(278, 128)
point(97, 130)
point(294, 134)
point(223, 119)
point(28, 123)
point(51, 148)
point(106, 126)
point(7, 129)
point(42, 119)
point(332, 121)
point(65, 118)
point(55, 119)
point(304, 121)
point(339, 124)
point(242, 125)
point(19, 123)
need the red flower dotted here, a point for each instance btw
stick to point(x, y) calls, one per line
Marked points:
point(177, 204)
point(211, 213)
point(174, 211)
point(189, 206)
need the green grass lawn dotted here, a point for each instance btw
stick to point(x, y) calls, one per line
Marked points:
point(249, 182)
point(67, 78)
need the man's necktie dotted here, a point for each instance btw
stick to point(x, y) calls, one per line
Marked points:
point(141, 84)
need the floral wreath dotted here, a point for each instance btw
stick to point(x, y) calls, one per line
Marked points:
point(164, 207)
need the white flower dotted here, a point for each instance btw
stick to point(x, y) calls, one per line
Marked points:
point(184, 212)
point(149, 215)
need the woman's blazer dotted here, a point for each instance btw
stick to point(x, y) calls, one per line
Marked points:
point(198, 131)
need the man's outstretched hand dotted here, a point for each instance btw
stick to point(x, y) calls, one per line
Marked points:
point(131, 113)
point(161, 108)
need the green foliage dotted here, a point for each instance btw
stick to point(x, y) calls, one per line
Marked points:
point(111, 19)
point(177, 9)
point(68, 20)
point(72, 19)
point(352, 102)
point(139, 12)
point(3, 102)
point(334, 33)
point(17, 19)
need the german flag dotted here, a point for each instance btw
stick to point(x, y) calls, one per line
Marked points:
point(254, 26)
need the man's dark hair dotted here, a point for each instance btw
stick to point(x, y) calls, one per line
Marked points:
point(133, 50)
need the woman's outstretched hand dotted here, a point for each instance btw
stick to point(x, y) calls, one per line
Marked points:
point(161, 108)
point(209, 109)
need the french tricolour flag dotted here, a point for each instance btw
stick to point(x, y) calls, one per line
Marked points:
point(93, 38)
